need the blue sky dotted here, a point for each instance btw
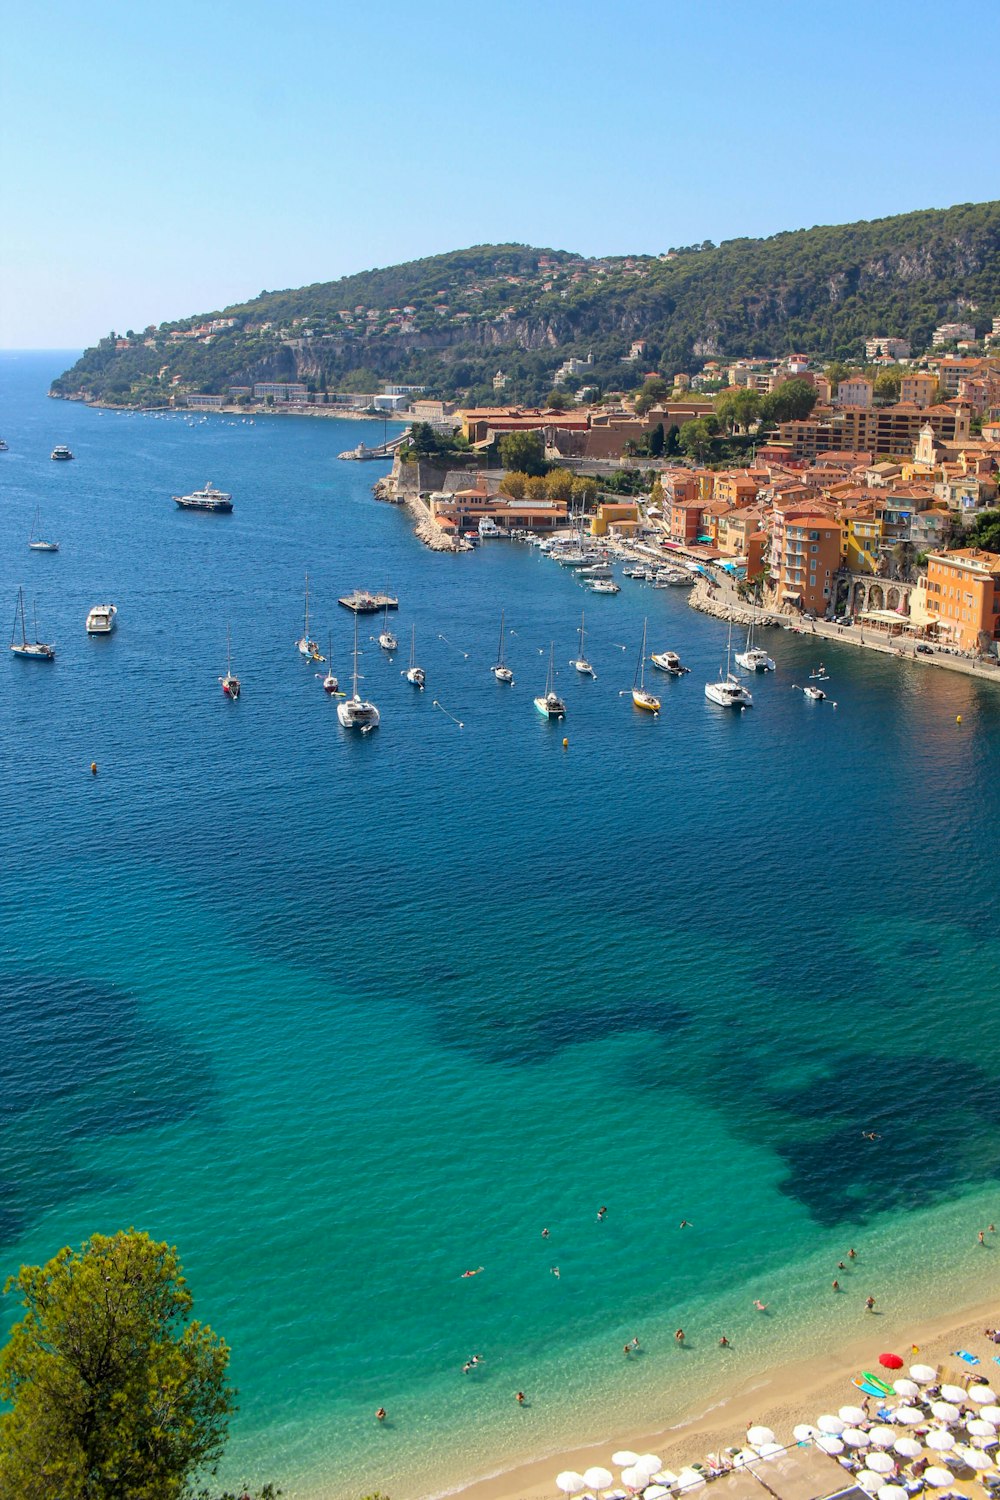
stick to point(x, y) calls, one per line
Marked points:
point(159, 160)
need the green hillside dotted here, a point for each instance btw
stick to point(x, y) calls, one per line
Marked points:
point(449, 322)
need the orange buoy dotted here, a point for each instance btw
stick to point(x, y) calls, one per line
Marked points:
point(958, 719)
point(565, 744)
point(93, 768)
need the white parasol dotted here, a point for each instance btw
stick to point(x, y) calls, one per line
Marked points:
point(832, 1425)
point(830, 1444)
point(893, 1492)
point(633, 1478)
point(908, 1447)
point(981, 1395)
point(990, 1414)
point(952, 1393)
point(906, 1388)
point(937, 1477)
point(804, 1431)
point(598, 1478)
point(855, 1438)
point(979, 1427)
point(881, 1463)
point(868, 1480)
point(923, 1374)
point(976, 1458)
point(945, 1411)
point(882, 1437)
point(624, 1457)
point(908, 1415)
point(770, 1450)
point(689, 1479)
point(852, 1415)
point(940, 1440)
point(758, 1435)
point(649, 1463)
point(570, 1483)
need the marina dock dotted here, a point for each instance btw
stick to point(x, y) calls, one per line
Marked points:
point(363, 602)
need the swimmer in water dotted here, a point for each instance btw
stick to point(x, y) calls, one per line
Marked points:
point(841, 1266)
point(626, 1350)
point(602, 1213)
point(380, 1414)
point(684, 1224)
point(723, 1342)
point(836, 1286)
point(545, 1234)
point(982, 1238)
point(555, 1271)
point(852, 1255)
point(760, 1306)
point(870, 1304)
point(519, 1397)
point(635, 1343)
point(471, 1273)
point(679, 1336)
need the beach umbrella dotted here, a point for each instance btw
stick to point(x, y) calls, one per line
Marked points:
point(852, 1415)
point(770, 1450)
point(939, 1440)
point(923, 1373)
point(908, 1447)
point(890, 1361)
point(690, 1479)
point(990, 1414)
point(570, 1483)
point(945, 1411)
point(855, 1438)
point(952, 1393)
point(830, 1444)
point(981, 1395)
point(599, 1479)
point(758, 1435)
point(978, 1427)
point(906, 1388)
point(976, 1458)
point(634, 1478)
point(868, 1480)
point(831, 1425)
point(804, 1431)
point(937, 1477)
point(649, 1463)
point(743, 1457)
point(893, 1492)
point(909, 1415)
point(624, 1457)
point(881, 1463)
point(882, 1437)
point(655, 1492)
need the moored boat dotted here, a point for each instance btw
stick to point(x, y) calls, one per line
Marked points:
point(549, 704)
point(305, 645)
point(581, 663)
point(61, 453)
point(35, 650)
point(640, 697)
point(669, 661)
point(356, 712)
point(728, 692)
point(35, 542)
point(415, 674)
point(230, 683)
point(501, 671)
point(207, 499)
point(102, 619)
point(386, 639)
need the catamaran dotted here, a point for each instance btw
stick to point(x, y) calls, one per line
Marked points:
point(581, 663)
point(386, 639)
point(550, 705)
point(415, 674)
point(754, 658)
point(354, 712)
point(35, 650)
point(728, 692)
point(230, 683)
point(640, 697)
point(305, 645)
point(501, 671)
point(35, 542)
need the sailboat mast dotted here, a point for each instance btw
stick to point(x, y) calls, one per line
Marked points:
point(500, 647)
point(354, 674)
point(306, 630)
point(24, 633)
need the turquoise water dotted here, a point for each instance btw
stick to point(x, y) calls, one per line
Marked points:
point(343, 1017)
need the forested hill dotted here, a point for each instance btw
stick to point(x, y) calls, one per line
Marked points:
point(449, 322)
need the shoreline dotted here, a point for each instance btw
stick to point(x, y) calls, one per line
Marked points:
point(778, 1396)
point(284, 410)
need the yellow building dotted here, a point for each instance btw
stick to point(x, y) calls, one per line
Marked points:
point(861, 539)
point(918, 388)
point(623, 515)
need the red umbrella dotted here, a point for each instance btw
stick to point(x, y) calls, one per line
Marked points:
point(891, 1361)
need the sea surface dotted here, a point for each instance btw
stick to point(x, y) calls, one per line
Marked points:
point(344, 1017)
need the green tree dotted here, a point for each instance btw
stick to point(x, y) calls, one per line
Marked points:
point(984, 532)
point(887, 385)
point(653, 390)
point(558, 400)
point(113, 1393)
point(696, 437)
point(524, 451)
point(559, 484)
point(655, 441)
point(584, 490)
point(791, 401)
point(737, 409)
point(513, 485)
point(835, 372)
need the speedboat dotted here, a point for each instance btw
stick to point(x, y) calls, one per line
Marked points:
point(208, 499)
point(669, 661)
point(640, 697)
point(673, 577)
point(35, 650)
point(549, 704)
point(3, 446)
point(101, 619)
point(356, 712)
point(815, 693)
point(60, 452)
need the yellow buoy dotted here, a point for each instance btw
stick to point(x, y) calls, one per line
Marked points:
point(93, 768)
point(958, 719)
point(565, 744)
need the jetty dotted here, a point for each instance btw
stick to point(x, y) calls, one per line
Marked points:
point(364, 602)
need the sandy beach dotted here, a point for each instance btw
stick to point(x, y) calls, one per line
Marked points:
point(779, 1398)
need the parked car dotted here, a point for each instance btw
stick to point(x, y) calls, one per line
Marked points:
point(924, 650)
point(845, 620)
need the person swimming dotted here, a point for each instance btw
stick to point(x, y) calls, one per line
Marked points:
point(519, 1397)
point(555, 1271)
point(760, 1306)
point(602, 1214)
point(380, 1414)
point(471, 1273)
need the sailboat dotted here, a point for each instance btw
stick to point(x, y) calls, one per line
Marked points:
point(354, 712)
point(305, 645)
point(754, 658)
point(728, 692)
point(415, 674)
point(550, 705)
point(35, 542)
point(330, 683)
point(35, 650)
point(386, 639)
point(581, 663)
point(501, 671)
point(640, 697)
point(230, 683)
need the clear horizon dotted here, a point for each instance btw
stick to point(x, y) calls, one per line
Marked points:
point(168, 164)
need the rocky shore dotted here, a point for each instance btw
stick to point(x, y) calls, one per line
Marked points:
point(425, 528)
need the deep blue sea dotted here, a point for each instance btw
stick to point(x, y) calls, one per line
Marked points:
point(343, 1017)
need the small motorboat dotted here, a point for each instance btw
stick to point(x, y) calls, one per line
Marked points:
point(60, 453)
point(102, 619)
point(669, 661)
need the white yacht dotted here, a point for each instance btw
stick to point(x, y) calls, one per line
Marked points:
point(61, 452)
point(208, 499)
point(581, 663)
point(386, 639)
point(549, 704)
point(728, 692)
point(354, 712)
point(596, 570)
point(488, 527)
point(815, 693)
point(673, 578)
point(669, 661)
point(640, 697)
point(415, 674)
point(501, 671)
point(754, 658)
point(101, 620)
point(603, 586)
